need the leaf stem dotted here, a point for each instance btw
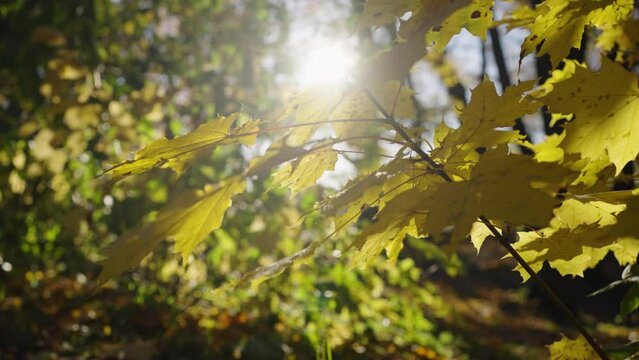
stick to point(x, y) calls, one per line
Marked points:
point(503, 239)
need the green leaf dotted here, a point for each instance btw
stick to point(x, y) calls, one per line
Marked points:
point(630, 302)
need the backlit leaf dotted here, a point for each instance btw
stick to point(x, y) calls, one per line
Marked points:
point(501, 187)
point(305, 171)
point(559, 24)
point(175, 153)
point(478, 234)
point(476, 17)
point(580, 235)
point(365, 192)
point(482, 123)
point(187, 220)
point(603, 102)
point(569, 349)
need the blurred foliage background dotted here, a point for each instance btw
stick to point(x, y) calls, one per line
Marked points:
point(83, 84)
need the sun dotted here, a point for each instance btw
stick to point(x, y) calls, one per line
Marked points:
point(325, 64)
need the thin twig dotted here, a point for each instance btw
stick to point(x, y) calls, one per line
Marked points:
point(361, 153)
point(399, 91)
point(286, 262)
point(400, 130)
point(504, 81)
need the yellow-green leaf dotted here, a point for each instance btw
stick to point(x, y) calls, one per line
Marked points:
point(390, 226)
point(569, 349)
point(314, 107)
point(559, 24)
point(511, 188)
point(476, 17)
point(482, 123)
point(187, 220)
point(604, 104)
point(478, 233)
point(175, 153)
point(365, 192)
point(580, 235)
point(378, 237)
point(304, 171)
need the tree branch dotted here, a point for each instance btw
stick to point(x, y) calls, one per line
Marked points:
point(504, 80)
point(502, 238)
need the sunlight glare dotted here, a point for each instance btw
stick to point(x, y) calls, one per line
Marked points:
point(325, 64)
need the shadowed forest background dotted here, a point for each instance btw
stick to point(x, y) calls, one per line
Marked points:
point(84, 85)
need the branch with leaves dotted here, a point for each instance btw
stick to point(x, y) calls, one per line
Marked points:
point(546, 207)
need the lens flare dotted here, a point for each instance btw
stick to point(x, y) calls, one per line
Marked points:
point(325, 64)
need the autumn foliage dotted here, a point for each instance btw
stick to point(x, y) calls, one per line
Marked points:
point(477, 178)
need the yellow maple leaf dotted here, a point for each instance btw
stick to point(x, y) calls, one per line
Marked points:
point(500, 187)
point(603, 102)
point(365, 192)
point(568, 251)
point(580, 235)
point(345, 109)
point(622, 37)
point(389, 236)
point(519, 16)
point(187, 220)
point(574, 212)
point(478, 234)
point(311, 107)
point(389, 227)
point(569, 349)
point(476, 17)
point(549, 150)
point(175, 153)
point(278, 153)
point(559, 24)
point(305, 171)
point(482, 123)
